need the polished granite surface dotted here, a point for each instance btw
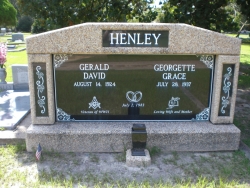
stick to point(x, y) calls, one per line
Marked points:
point(14, 106)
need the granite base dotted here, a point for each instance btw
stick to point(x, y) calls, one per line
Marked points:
point(7, 86)
point(116, 136)
point(14, 106)
point(138, 161)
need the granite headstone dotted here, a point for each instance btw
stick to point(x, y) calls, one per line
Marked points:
point(90, 82)
point(3, 30)
point(20, 77)
point(17, 37)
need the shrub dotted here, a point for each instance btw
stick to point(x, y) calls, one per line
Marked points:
point(38, 26)
point(24, 24)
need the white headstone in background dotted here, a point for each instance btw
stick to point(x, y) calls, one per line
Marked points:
point(17, 37)
point(20, 77)
point(3, 30)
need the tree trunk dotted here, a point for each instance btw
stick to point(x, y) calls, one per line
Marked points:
point(238, 34)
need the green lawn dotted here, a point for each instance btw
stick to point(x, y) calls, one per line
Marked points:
point(19, 168)
point(243, 36)
point(6, 37)
point(245, 48)
point(14, 57)
point(245, 53)
point(244, 81)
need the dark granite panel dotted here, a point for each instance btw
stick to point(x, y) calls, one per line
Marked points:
point(132, 87)
point(134, 38)
point(226, 89)
point(40, 85)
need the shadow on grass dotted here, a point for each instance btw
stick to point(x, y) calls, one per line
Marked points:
point(189, 169)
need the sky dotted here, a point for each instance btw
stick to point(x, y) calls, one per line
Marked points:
point(156, 3)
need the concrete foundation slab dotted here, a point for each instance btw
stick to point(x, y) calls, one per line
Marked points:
point(7, 86)
point(138, 161)
point(116, 136)
point(14, 106)
point(18, 135)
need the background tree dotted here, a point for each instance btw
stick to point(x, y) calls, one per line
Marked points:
point(52, 14)
point(211, 14)
point(245, 8)
point(24, 24)
point(14, 3)
point(7, 13)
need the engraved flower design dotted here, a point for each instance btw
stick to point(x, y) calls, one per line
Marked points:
point(57, 57)
point(202, 58)
point(227, 76)
point(40, 88)
point(209, 58)
point(226, 88)
point(41, 102)
point(205, 116)
point(63, 116)
point(60, 117)
point(225, 102)
point(39, 74)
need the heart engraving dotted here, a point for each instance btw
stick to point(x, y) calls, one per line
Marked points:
point(134, 96)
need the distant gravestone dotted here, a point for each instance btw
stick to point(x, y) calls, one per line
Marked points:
point(3, 30)
point(17, 37)
point(10, 47)
point(20, 77)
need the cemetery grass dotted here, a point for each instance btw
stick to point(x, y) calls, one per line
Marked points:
point(19, 168)
point(242, 110)
point(8, 36)
point(245, 53)
point(14, 57)
point(244, 79)
point(242, 35)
